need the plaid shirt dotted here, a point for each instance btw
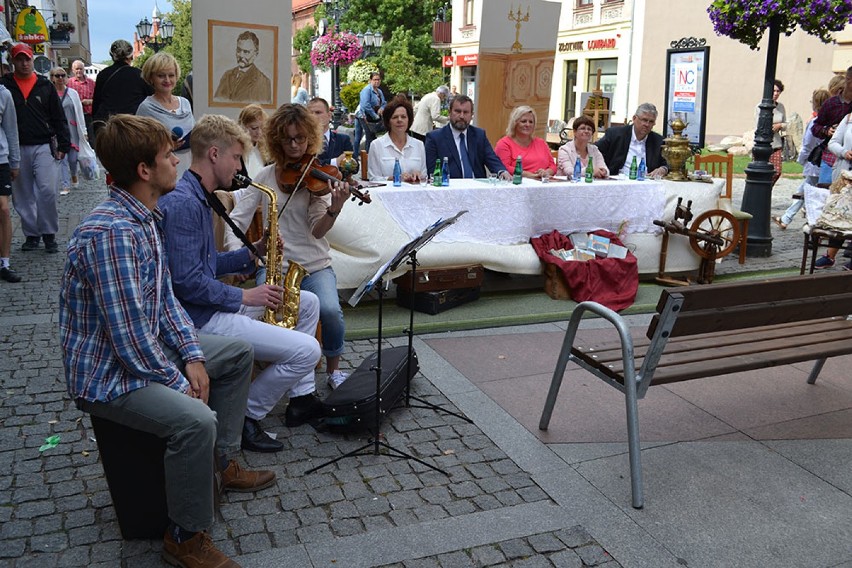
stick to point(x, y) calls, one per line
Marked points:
point(116, 304)
point(830, 114)
point(84, 88)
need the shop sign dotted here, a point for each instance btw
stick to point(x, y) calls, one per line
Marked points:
point(447, 61)
point(596, 44)
point(30, 27)
point(571, 46)
point(469, 60)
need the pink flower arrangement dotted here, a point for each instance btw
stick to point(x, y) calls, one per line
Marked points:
point(336, 49)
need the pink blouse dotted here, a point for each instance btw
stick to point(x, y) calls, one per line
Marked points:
point(534, 157)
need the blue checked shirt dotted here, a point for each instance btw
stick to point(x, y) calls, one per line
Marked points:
point(116, 304)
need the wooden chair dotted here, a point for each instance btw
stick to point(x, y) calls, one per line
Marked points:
point(364, 156)
point(723, 167)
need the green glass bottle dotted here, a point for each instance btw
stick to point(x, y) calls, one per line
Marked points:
point(633, 168)
point(590, 171)
point(519, 172)
point(436, 175)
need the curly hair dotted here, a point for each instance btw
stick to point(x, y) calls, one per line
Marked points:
point(392, 105)
point(276, 130)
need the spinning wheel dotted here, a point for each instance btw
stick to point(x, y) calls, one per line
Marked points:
point(716, 223)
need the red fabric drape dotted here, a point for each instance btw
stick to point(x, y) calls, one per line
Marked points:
point(612, 282)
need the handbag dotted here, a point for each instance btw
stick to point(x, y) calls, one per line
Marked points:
point(376, 127)
point(815, 157)
point(837, 213)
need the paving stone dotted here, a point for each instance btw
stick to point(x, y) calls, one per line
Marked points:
point(488, 555)
point(516, 548)
point(566, 559)
point(592, 554)
point(455, 559)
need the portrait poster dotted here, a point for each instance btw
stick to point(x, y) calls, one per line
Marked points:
point(242, 64)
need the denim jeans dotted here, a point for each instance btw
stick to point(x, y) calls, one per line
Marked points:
point(359, 133)
point(324, 284)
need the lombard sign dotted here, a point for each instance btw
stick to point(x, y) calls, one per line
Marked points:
point(30, 27)
point(588, 45)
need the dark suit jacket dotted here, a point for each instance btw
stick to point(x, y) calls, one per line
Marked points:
point(337, 144)
point(616, 142)
point(440, 143)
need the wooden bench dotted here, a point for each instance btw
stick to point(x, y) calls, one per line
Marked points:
point(704, 331)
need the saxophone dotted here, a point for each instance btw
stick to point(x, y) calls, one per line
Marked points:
point(287, 314)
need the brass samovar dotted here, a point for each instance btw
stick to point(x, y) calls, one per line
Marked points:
point(676, 151)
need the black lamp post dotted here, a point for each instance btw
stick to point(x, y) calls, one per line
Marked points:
point(757, 197)
point(162, 37)
point(335, 9)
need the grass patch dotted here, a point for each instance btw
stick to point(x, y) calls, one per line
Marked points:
point(793, 169)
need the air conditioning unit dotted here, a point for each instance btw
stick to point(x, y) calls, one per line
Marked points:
point(63, 61)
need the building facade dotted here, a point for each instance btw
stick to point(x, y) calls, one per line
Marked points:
point(620, 47)
point(68, 26)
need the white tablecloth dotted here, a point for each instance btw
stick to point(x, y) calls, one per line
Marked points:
point(506, 214)
point(365, 237)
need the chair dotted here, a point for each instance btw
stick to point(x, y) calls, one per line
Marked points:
point(364, 157)
point(723, 167)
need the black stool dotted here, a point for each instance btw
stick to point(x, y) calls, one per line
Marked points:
point(133, 464)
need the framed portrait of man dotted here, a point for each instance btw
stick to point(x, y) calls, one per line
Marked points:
point(242, 64)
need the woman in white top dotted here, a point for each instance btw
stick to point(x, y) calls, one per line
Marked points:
point(73, 110)
point(252, 118)
point(397, 145)
point(162, 71)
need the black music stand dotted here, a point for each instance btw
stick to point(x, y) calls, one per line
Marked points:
point(377, 282)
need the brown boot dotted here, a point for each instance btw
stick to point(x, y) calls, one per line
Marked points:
point(235, 478)
point(197, 552)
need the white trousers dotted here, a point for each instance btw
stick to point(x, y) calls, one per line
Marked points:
point(292, 354)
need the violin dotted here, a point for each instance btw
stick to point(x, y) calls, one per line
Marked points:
point(315, 177)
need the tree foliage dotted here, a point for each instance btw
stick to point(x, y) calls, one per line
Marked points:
point(403, 72)
point(302, 43)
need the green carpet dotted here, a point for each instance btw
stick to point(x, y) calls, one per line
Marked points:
point(497, 309)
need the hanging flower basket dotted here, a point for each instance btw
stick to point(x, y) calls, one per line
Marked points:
point(335, 49)
point(746, 20)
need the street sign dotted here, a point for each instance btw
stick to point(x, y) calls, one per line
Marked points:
point(42, 64)
point(38, 49)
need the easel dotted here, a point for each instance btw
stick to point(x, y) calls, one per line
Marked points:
point(597, 108)
point(377, 441)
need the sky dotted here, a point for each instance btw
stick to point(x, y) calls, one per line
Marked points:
point(110, 20)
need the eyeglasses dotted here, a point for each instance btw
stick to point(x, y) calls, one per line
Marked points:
point(60, 76)
point(298, 140)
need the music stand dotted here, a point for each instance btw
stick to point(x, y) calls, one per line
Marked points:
point(377, 282)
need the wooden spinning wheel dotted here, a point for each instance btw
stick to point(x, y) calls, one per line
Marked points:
point(716, 223)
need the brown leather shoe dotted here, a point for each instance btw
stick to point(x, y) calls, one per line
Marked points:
point(235, 478)
point(197, 552)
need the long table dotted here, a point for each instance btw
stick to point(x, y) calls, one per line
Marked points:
point(502, 218)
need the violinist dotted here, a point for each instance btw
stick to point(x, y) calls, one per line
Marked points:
point(308, 208)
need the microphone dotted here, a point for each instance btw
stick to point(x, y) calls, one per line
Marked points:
point(177, 133)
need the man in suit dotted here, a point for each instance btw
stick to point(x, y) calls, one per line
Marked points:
point(621, 143)
point(467, 148)
point(334, 144)
point(245, 83)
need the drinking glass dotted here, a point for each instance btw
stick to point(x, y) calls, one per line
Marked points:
point(492, 178)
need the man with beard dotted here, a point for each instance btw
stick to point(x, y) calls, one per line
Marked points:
point(245, 83)
point(467, 148)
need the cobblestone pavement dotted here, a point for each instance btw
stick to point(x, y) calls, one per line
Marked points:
point(56, 510)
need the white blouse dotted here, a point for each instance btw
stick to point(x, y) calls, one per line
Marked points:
point(383, 154)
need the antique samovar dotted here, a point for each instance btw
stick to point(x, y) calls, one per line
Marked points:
point(676, 151)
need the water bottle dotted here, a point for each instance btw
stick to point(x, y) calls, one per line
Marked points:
point(397, 173)
point(436, 175)
point(445, 172)
point(519, 172)
point(640, 175)
point(590, 171)
point(578, 170)
point(633, 168)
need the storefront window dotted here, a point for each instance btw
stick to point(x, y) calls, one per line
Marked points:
point(570, 89)
point(609, 73)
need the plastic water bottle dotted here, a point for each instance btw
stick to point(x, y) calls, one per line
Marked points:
point(633, 169)
point(445, 172)
point(436, 175)
point(640, 174)
point(578, 169)
point(518, 176)
point(590, 171)
point(397, 173)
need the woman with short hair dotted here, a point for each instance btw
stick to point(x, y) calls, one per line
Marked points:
point(520, 140)
point(397, 144)
point(581, 148)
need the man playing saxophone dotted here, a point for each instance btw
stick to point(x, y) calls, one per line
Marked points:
point(217, 145)
point(293, 137)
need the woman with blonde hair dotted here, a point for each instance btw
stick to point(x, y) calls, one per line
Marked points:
point(298, 94)
point(162, 72)
point(520, 140)
point(252, 119)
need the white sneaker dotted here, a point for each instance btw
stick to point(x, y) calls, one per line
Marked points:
point(336, 379)
point(64, 191)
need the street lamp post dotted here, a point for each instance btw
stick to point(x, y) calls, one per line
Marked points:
point(335, 9)
point(162, 35)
